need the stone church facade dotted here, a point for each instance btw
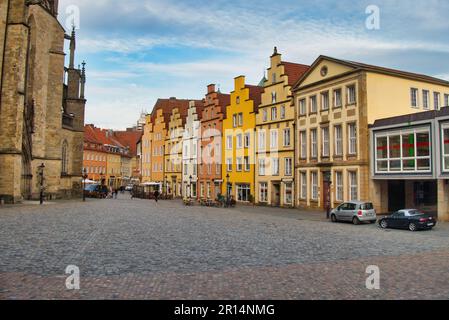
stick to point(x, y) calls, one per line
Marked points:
point(42, 104)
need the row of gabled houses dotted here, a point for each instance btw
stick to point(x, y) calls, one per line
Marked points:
point(110, 157)
point(303, 138)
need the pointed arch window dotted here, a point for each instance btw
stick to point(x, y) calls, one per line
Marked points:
point(65, 158)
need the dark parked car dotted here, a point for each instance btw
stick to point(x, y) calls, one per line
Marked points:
point(410, 219)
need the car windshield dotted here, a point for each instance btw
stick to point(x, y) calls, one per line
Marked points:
point(367, 206)
point(415, 213)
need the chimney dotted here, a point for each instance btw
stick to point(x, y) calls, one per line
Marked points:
point(211, 88)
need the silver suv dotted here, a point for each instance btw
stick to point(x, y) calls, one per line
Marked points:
point(355, 212)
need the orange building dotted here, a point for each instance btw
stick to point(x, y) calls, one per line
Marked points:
point(95, 155)
point(104, 156)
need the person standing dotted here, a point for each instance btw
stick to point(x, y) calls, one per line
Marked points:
point(156, 195)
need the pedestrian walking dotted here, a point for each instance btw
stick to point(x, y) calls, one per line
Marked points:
point(156, 195)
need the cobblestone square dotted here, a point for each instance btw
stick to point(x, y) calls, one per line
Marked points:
point(139, 249)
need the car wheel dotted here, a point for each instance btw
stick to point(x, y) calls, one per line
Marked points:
point(383, 224)
point(334, 218)
point(412, 227)
point(355, 221)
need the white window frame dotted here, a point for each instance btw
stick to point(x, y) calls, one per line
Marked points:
point(229, 142)
point(303, 141)
point(288, 167)
point(262, 167)
point(275, 170)
point(352, 139)
point(288, 200)
point(247, 140)
point(246, 164)
point(338, 135)
point(313, 104)
point(353, 184)
point(437, 100)
point(351, 94)
point(414, 99)
point(314, 185)
point(282, 112)
point(302, 106)
point(239, 142)
point(229, 164)
point(325, 146)
point(339, 188)
point(425, 99)
point(303, 194)
point(274, 113)
point(287, 137)
point(239, 164)
point(338, 102)
point(262, 140)
point(274, 139)
point(313, 143)
point(324, 101)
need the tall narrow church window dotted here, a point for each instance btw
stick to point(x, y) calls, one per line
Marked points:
point(65, 158)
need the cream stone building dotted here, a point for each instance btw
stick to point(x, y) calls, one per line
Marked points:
point(191, 149)
point(336, 101)
point(275, 127)
point(41, 104)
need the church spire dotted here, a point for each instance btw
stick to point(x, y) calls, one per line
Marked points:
point(72, 49)
point(83, 80)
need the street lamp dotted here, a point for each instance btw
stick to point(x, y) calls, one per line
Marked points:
point(328, 181)
point(190, 188)
point(166, 185)
point(41, 175)
point(227, 185)
point(85, 176)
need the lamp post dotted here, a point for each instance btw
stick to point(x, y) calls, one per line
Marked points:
point(166, 185)
point(328, 181)
point(227, 185)
point(41, 176)
point(85, 176)
point(190, 188)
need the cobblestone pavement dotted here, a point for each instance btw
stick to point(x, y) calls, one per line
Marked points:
point(137, 249)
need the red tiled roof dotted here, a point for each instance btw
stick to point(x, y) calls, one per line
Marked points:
point(167, 106)
point(129, 139)
point(101, 136)
point(294, 71)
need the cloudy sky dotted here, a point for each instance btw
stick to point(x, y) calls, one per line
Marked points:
point(140, 50)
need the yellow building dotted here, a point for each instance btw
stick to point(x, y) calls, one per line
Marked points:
point(239, 142)
point(173, 151)
point(275, 124)
point(336, 101)
point(114, 169)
